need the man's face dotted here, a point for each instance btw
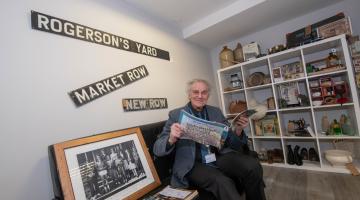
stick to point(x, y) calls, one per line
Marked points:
point(199, 94)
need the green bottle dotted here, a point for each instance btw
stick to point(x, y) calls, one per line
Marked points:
point(336, 128)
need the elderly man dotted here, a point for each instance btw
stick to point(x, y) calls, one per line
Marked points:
point(217, 170)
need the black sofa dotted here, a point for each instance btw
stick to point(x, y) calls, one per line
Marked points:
point(163, 165)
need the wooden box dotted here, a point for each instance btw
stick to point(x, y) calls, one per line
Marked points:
point(341, 26)
point(309, 33)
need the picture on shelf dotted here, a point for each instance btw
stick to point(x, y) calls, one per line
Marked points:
point(290, 92)
point(292, 70)
point(268, 127)
point(277, 74)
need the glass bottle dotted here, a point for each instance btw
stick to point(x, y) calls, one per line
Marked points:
point(332, 59)
point(235, 81)
point(336, 128)
point(325, 124)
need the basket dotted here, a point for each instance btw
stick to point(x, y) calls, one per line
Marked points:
point(237, 106)
point(255, 79)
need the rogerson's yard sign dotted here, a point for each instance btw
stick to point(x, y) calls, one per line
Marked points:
point(93, 91)
point(47, 23)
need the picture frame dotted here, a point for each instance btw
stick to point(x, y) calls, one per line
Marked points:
point(277, 74)
point(113, 165)
point(268, 127)
point(290, 92)
point(293, 70)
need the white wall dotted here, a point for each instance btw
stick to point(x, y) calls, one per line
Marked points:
point(38, 69)
point(276, 34)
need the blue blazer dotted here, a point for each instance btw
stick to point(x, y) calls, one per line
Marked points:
point(185, 149)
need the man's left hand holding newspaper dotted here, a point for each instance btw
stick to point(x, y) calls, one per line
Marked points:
point(175, 133)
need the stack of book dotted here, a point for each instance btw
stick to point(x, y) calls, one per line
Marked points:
point(169, 193)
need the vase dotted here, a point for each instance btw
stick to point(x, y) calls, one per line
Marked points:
point(226, 57)
point(325, 124)
point(238, 53)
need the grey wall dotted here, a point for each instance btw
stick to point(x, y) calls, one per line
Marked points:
point(276, 35)
point(38, 69)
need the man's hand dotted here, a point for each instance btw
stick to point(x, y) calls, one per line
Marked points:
point(241, 123)
point(175, 133)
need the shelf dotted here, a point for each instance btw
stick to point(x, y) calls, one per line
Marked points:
point(256, 62)
point(333, 105)
point(285, 55)
point(294, 109)
point(310, 165)
point(298, 138)
point(306, 165)
point(267, 137)
point(322, 45)
point(230, 68)
point(313, 167)
point(273, 164)
point(289, 81)
point(270, 111)
point(345, 137)
point(328, 74)
point(339, 169)
point(233, 91)
point(259, 87)
point(312, 115)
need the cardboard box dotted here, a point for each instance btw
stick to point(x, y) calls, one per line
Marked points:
point(251, 51)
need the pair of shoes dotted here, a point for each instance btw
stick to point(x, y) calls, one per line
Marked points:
point(304, 154)
point(313, 156)
point(294, 157)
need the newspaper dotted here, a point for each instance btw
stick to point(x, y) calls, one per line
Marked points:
point(203, 131)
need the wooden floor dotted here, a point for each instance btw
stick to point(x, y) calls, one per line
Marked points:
point(294, 184)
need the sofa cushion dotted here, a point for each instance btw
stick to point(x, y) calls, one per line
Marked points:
point(162, 164)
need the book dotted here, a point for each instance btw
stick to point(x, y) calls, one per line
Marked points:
point(170, 193)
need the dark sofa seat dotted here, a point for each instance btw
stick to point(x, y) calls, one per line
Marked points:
point(164, 164)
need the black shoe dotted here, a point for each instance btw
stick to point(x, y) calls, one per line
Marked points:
point(297, 156)
point(313, 156)
point(304, 154)
point(290, 155)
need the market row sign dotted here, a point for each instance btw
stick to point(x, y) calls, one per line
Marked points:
point(47, 23)
point(93, 91)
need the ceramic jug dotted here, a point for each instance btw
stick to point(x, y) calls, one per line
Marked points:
point(226, 57)
point(238, 53)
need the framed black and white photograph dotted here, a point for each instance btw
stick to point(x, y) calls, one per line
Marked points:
point(114, 165)
point(290, 92)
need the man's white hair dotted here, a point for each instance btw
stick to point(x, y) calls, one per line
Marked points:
point(190, 83)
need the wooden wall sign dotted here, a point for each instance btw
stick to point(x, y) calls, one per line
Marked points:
point(93, 91)
point(137, 104)
point(47, 23)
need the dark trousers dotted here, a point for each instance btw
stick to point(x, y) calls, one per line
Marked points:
point(234, 170)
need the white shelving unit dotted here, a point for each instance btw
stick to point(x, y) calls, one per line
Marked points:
point(312, 114)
